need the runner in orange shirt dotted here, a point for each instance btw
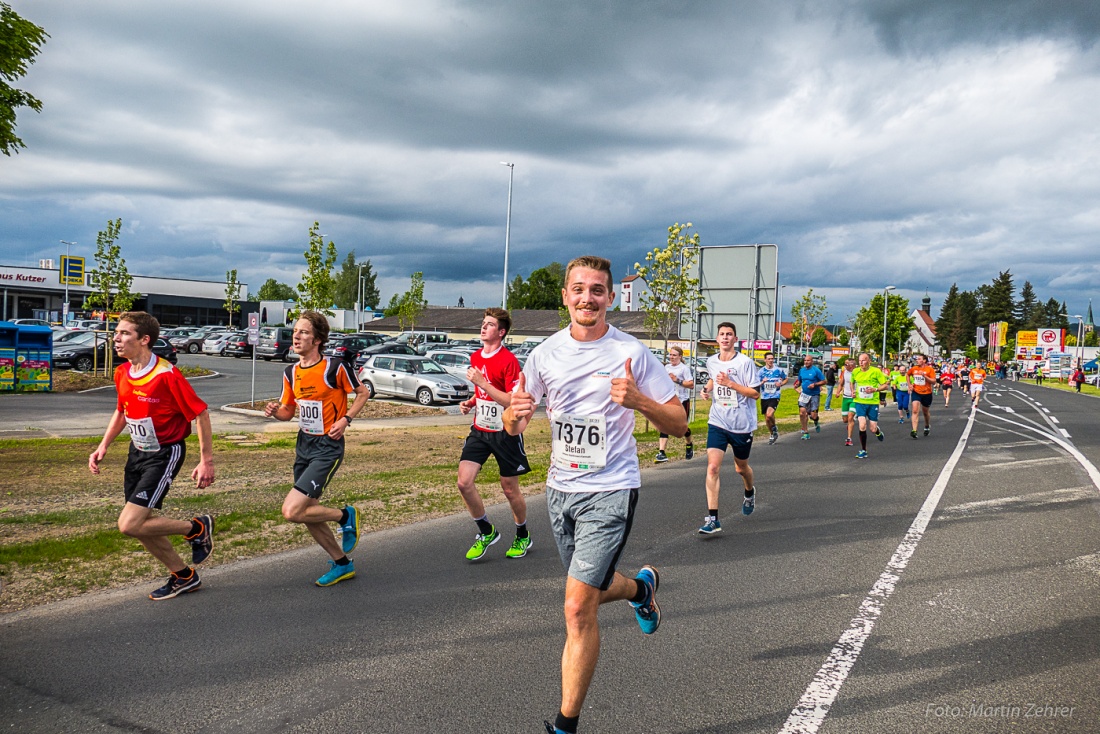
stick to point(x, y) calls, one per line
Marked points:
point(319, 387)
point(977, 383)
point(922, 378)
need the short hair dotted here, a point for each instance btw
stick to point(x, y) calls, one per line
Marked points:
point(144, 324)
point(504, 320)
point(678, 350)
point(320, 326)
point(592, 262)
point(769, 354)
point(726, 323)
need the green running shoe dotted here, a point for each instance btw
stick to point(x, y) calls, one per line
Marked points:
point(481, 545)
point(519, 548)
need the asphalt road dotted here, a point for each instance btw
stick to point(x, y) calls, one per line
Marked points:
point(833, 593)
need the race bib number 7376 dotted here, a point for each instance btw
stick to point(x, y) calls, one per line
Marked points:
point(579, 441)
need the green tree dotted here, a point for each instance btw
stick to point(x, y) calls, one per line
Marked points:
point(109, 279)
point(232, 290)
point(899, 322)
point(347, 283)
point(669, 285)
point(1092, 338)
point(20, 42)
point(1026, 307)
point(843, 337)
point(996, 301)
point(272, 290)
point(808, 312)
point(317, 286)
point(819, 338)
point(541, 290)
point(411, 304)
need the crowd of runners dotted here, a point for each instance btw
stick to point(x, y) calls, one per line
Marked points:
point(592, 378)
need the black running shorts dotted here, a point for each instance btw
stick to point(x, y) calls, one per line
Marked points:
point(766, 403)
point(149, 474)
point(316, 459)
point(924, 399)
point(508, 450)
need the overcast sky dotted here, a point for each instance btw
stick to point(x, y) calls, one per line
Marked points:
point(914, 143)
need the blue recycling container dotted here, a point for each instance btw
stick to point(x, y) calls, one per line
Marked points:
point(8, 334)
point(34, 359)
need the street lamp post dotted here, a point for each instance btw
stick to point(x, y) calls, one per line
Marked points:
point(1080, 336)
point(65, 277)
point(359, 300)
point(507, 232)
point(885, 300)
point(779, 319)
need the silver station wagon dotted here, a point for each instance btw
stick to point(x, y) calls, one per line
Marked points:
point(406, 376)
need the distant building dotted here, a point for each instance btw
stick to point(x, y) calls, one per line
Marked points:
point(631, 289)
point(922, 339)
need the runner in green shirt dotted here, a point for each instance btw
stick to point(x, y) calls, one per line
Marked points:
point(899, 382)
point(868, 382)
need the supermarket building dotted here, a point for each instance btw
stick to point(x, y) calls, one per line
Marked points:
point(38, 293)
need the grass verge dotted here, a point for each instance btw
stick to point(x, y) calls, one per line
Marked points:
point(58, 534)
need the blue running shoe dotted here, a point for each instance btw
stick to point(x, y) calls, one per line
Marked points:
point(879, 435)
point(647, 612)
point(861, 455)
point(749, 504)
point(337, 573)
point(203, 543)
point(710, 526)
point(350, 530)
point(817, 427)
point(551, 729)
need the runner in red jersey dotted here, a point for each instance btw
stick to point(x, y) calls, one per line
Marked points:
point(495, 372)
point(157, 404)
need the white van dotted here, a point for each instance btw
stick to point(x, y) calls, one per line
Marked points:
point(422, 341)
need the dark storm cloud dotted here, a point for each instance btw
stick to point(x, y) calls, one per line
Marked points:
point(915, 143)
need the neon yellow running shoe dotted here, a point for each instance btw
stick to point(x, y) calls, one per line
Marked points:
point(519, 548)
point(481, 545)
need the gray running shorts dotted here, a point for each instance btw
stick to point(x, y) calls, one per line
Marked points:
point(591, 529)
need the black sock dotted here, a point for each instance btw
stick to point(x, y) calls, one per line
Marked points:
point(343, 561)
point(750, 492)
point(484, 526)
point(196, 528)
point(713, 513)
point(344, 515)
point(185, 574)
point(566, 723)
point(863, 439)
point(641, 594)
point(521, 530)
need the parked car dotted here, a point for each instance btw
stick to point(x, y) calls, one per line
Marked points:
point(386, 347)
point(90, 325)
point(31, 322)
point(422, 341)
point(215, 342)
point(276, 342)
point(413, 377)
point(237, 345)
point(454, 362)
point(348, 346)
point(190, 342)
point(85, 349)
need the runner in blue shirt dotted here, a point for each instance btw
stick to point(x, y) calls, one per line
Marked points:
point(773, 379)
point(810, 379)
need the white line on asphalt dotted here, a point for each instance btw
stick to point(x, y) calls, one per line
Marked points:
point(1053, 417)
point(1088, 466)
point(1011, 465)
point(1064, 432)
point(808, 716)
point(1045, 410)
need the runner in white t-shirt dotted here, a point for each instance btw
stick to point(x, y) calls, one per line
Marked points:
point(735, 387)
point(684, 378)
point(594, 377)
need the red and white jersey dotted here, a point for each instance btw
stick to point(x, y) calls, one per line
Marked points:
point(158, 403)
point(501, 369)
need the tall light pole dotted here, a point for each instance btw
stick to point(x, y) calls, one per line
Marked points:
point(1080, 336)
point(65, 277)
point(507, 232)
point(779, 316)
point(359, 299)
point(885, 301)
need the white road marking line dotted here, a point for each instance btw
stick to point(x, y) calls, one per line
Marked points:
point(1088, 466)
point(1036, 499)
point(810, 712)
point(1010, 465)
point(1064, 432)
point(1053, 417)
point(1009, 410)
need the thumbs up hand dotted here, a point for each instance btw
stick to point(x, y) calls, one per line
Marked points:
point(523, 403)
point(624, 390)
